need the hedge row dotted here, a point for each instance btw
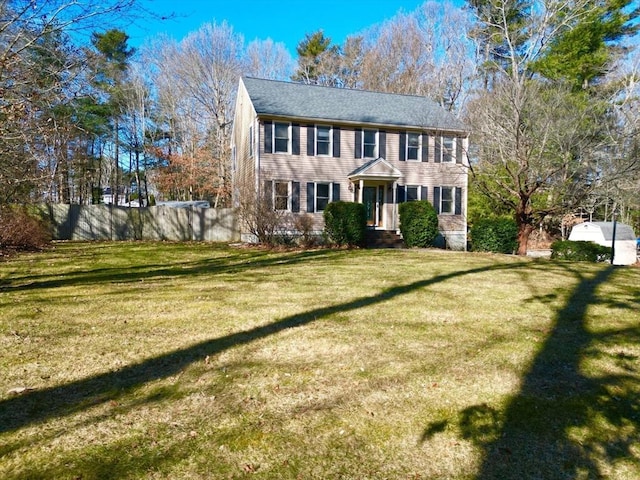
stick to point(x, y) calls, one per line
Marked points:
point(580, 251)
point(498, 235)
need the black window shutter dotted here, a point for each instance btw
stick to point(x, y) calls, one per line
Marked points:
point(423, 192)
point(295, 197)
point(458, 150)
point(458, 201)
point(425, 148)
point(358, 152)
point(400, 194)
point(403, 146)
point(268, 193)
point(311, 187)
point(336, 192)
point(438, 150)
point(382, 138)
point(268, 137)
point(295, 139)
point(436, 199)
point(311, 140)
point(336, 142)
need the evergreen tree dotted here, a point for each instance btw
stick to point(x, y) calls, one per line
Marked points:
point(310, 51)
point(585, 50)
point(110, 60)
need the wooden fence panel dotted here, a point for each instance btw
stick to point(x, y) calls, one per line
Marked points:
point(109, 222)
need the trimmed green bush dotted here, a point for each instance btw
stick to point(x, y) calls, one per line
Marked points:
point(418, 223)
point(345, 223)
point(498, 235)
point(580, 251)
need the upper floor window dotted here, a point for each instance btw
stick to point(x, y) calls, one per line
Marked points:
point(370, 143)
point(448, 149)
point(281, 137)
point(251, 141)
point(323, 140)
point(413, 146)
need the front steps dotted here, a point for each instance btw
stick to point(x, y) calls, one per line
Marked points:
point(383, 239)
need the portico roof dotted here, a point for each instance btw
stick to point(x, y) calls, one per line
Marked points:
point(375, 169)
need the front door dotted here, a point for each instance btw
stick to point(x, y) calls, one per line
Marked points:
point(373, 198)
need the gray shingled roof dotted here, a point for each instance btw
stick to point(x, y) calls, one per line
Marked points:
point(296, 100)
point(623, 232)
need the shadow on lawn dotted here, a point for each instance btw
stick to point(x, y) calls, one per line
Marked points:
point(41, 405)
point(237, 263)
point(563, 423)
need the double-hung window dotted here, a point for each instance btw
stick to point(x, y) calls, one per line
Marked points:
point(370, 143)
point(448, 149)
point(281, 136)
point(413, 193)
point(413, 146)
point(281, 195)
point(323, 140)
point(447, 200)
point(320, 194)
point(323, 196)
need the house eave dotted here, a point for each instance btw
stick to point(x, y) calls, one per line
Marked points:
point(352, 123)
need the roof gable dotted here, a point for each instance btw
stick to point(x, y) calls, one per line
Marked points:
point(300, 101)
point(376, 168)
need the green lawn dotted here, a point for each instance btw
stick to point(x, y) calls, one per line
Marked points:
point(200, 361)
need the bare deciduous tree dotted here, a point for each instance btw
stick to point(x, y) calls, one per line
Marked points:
point(268, 59)
point(422, 53)
point(196, 81)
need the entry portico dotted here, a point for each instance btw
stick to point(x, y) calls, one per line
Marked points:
point(374, 185)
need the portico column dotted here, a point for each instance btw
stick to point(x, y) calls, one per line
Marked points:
point(394, 208)
point(361, 184)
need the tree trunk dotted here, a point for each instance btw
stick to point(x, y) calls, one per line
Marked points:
point(523, 238)
point(525, 223)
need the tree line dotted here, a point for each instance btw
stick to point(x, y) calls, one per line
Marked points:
point(548, 88)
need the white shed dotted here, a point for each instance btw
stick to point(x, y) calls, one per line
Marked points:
point(602, 234)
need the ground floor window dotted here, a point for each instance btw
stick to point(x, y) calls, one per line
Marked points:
point(413, 193)
point(446, 200)
point(281, 195)
point(323, 196)
point(320, 194)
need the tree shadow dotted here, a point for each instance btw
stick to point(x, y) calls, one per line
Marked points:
point(565, 423)
point(40, 405)
point(237, 263)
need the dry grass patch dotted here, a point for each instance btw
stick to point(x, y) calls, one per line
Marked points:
point(149, 360)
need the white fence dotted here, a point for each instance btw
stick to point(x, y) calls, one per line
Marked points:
point(109, 222)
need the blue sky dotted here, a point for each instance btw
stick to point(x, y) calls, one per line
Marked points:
point(284, 21)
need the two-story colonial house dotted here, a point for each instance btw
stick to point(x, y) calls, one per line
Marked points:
point(305, 146)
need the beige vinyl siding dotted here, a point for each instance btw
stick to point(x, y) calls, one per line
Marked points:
point(304, 168)
point(244, 164)
point(327, 169)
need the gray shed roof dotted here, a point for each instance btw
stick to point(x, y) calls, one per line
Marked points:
point(297, 100)
point(623, 231)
